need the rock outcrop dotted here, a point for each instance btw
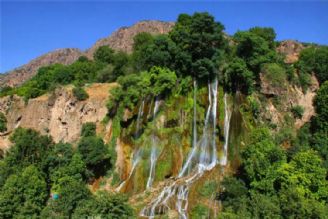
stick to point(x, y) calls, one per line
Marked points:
point(291, 49)
point(58, 114)
point(122, 39)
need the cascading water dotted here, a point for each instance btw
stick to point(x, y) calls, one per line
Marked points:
point(194, 141)
point(227, 116)
point(215, 93)
point(153, 155)
point(136, 159)
point(206, 147)
point(140, 114)
point(137, 153)
point(205, 161)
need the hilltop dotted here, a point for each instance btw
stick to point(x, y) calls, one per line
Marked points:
point(120, 40)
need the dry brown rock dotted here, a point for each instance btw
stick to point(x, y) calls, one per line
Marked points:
point(291, 49)
point(122, 39)
point(59, 114)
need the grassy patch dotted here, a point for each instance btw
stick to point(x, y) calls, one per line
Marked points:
point(209, 187)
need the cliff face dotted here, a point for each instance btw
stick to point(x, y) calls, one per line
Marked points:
point(291, 49)
point(59, 114)
point(121, 39)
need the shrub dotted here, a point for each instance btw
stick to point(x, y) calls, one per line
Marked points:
point(314, 59)
point(3, 122)
point(297, 111)
point(275, 74)
point(199, 211)
point(104, 54)
point(88, 129)
point(80, 93)
point(95, 154)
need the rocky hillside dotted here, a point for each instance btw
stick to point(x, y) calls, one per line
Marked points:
point(58, 114)
point(122, 39)
point(25, 72)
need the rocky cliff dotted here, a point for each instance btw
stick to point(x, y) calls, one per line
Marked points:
point(122, 39)
point(58, 114)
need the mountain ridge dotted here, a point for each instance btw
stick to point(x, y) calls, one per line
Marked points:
point(121, 39)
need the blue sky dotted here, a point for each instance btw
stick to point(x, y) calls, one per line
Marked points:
point(30, 29)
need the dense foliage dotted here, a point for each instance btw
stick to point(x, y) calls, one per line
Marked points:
point(314, 60)
point(35, 170)
point(269, 185)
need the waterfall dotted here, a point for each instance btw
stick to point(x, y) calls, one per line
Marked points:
point(194, 140)
point(206, 160)
point(139, 118)
point(137, 153)
point(153, 156)
point(204, 145)
point(214, 110)
point(136, 159)
point(227, 116)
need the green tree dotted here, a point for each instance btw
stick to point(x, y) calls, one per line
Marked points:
point(266, 33)
point(198, 38)
point(106, 74)
point(321, 106)
point(260, 160)
point(163, 80)
point(88, 129)
point(238, 77)
point(306, 174)
point(160, 52)
point(71, 192)
point(104, 54)
point(104, 205)
point(314, 59)
point(29, 148)
point(294, 205)
point(254, 49)
point(95, 154)
point(23, 195)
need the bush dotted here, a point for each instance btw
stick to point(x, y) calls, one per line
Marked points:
point(314, 59)
point(95, 154)
point(88, 129)
point(3, 122)
point(238, 77)
point(104, 54)
point(199, 211)
point(80, 93)
point(275, 74)
point(297, 111)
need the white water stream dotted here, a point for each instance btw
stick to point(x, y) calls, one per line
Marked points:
point(203, 157)
point(137, 154)
point(153, 155)
point(227, 116)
